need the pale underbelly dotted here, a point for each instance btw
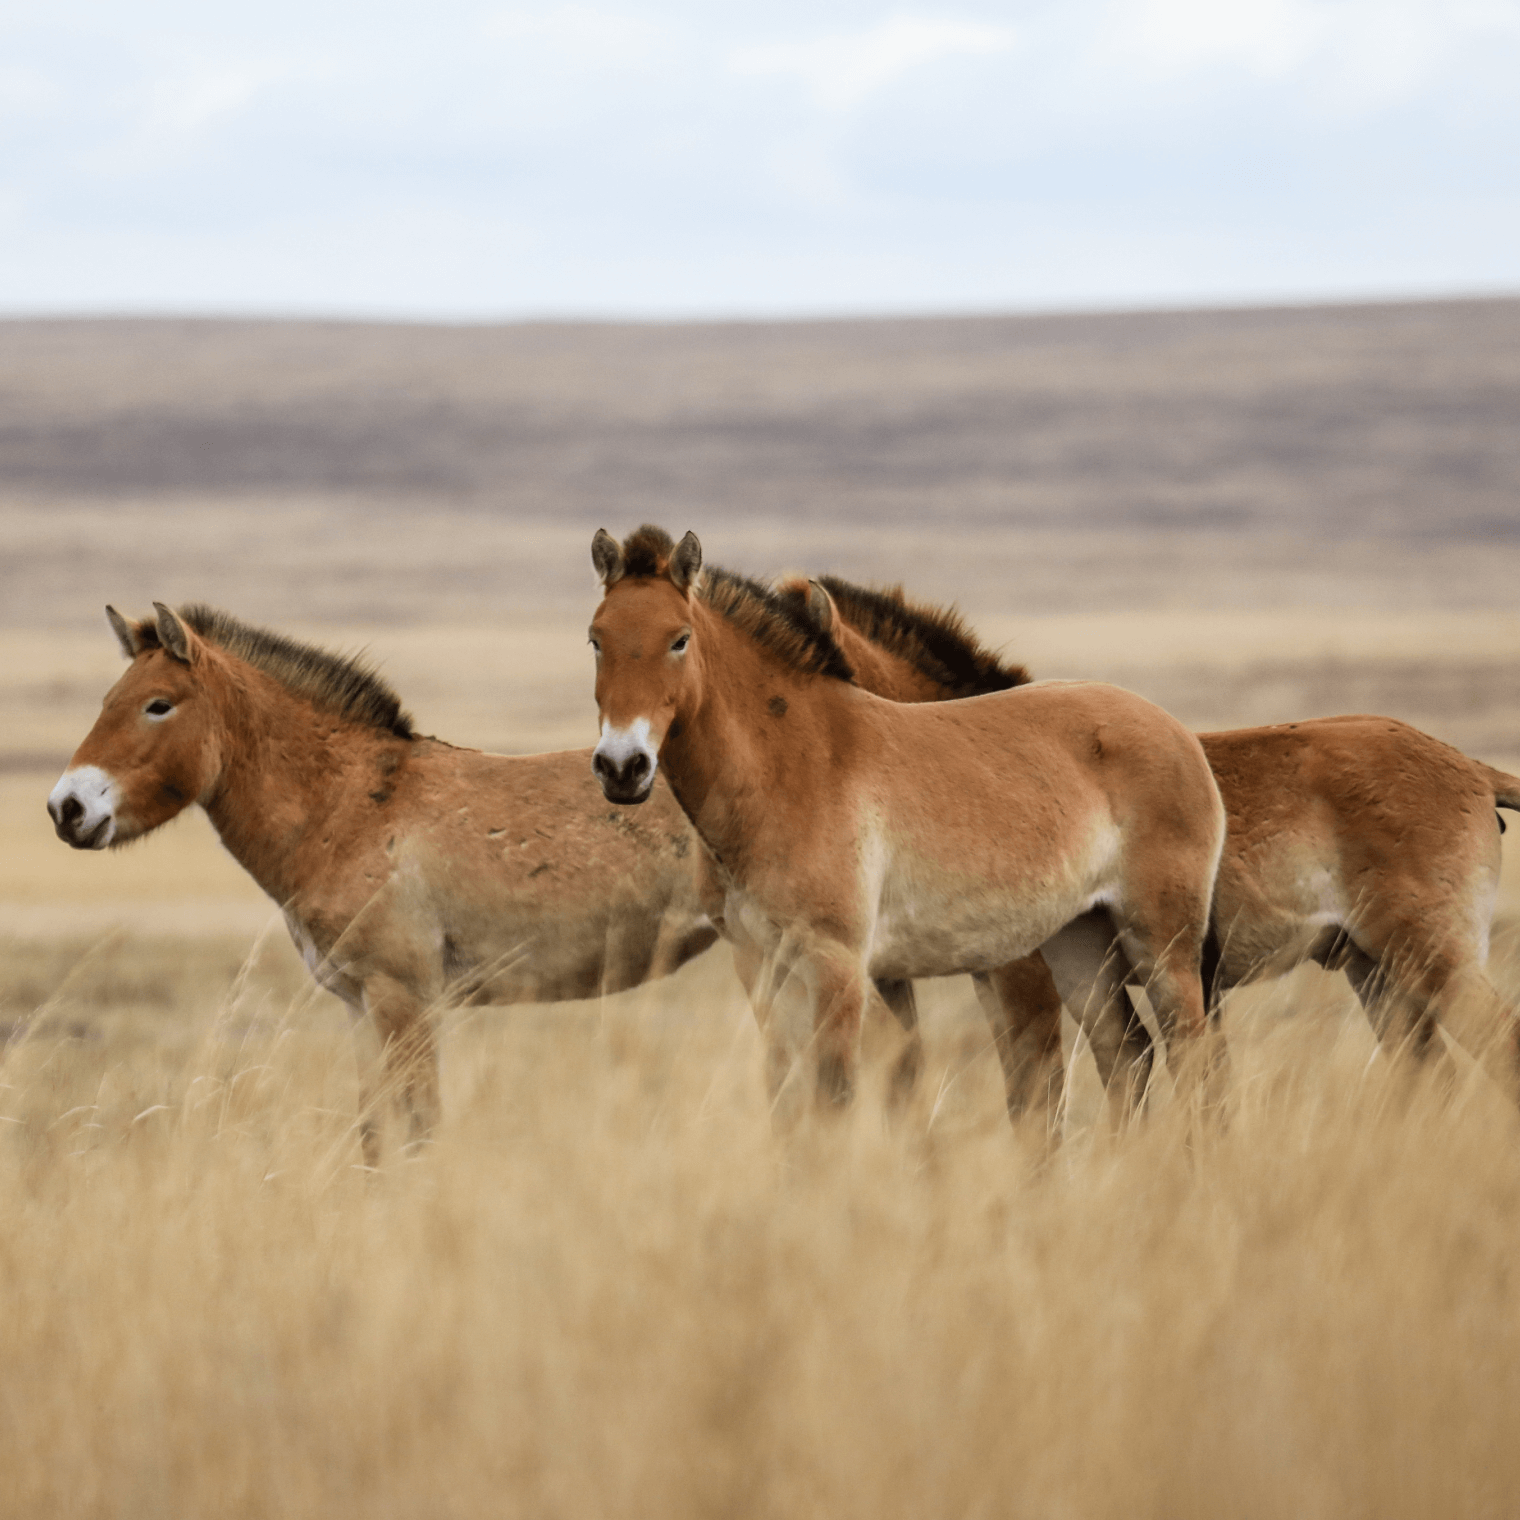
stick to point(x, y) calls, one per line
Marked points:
point(934, 921)
point(967, 936)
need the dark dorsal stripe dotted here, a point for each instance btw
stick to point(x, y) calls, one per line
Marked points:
point(340, 684)
point(771, 620)
point(934, 640)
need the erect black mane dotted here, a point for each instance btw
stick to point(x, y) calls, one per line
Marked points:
point(647, 551)
point(339, 684)
point(935, 640)
point(776, 622)
point(751, 605)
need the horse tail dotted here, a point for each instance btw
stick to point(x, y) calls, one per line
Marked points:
point(1506, 790)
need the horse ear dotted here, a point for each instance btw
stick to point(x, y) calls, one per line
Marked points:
point(820, 607)
point(126, 634)
point(685, 562)
point(607, 557)
point(172, 634)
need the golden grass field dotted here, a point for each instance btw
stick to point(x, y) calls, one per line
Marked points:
point(609, 1289)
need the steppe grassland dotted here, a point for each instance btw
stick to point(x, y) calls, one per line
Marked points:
point(609, 1289)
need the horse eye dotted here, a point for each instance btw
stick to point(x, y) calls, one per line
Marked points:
point(159, 708)
point(679, 647)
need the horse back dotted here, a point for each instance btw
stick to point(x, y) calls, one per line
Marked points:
point(1349, 817)
point(1080, 741)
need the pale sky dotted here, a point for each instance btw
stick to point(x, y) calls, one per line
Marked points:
point(663, 157)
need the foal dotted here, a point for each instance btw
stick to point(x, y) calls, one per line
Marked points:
point(1357, 842)
point(412, 874)
point(856, 838)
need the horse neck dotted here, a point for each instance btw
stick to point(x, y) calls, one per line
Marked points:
point(884, 674)
point(734, 745)
point(287, 770)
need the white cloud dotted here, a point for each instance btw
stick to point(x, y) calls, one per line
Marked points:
point(196, 100)
point(1357, 55)
point(580, 33)
point(647, 155)
point(169, 114)
point(841, 70)
point(25, 92)
point(1179, 37)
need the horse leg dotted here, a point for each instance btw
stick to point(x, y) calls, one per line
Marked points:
point(1402, 1021)
point(1443, 983)
point(1123, 1049)
point(1089, 969)
point(1164, 946)
point(898, 996)
point(1211, 974)
point(1484, 1023)
point(840, 992)
point(370, 1060)
point(401, 1021)
point(765, 977)
point(1023, 1007)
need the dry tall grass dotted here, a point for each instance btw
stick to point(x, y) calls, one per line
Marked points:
point(609, 1290)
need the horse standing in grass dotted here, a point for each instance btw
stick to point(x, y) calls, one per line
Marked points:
point(1359, 843)
point(412, 874)
point(857, 838)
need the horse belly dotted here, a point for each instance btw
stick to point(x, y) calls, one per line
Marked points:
point(941, 922)
point(556, 905)
point(1276, 902)
point(532, 956)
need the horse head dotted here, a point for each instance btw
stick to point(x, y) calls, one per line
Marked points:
point(645, 660)
point(152, 750)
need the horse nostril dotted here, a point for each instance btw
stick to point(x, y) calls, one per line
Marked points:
point(70, 811)
point(626, 775)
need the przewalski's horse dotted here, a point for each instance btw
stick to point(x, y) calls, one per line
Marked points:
point(856, 837)
point(412, 874)
point(912, 652)
point(1357, 842)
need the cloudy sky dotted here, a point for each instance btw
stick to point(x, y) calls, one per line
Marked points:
point(663, 157)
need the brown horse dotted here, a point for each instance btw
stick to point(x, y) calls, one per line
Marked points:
point(412, 874)
point(858, 838)
point(1358, 842)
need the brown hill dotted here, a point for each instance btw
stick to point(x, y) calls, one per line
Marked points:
point(1367, 421)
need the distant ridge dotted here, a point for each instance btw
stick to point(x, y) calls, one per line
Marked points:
point(1364, 420)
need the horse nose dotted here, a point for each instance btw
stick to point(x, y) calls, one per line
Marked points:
point(626, 777)
point(65, 815)
point(83, 808)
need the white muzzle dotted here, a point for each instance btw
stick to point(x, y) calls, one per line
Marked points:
point(83, 808)
point(624, 761)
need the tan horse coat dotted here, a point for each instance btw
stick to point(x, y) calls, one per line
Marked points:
point(1358, 842)
point(412, 874)
point(860, 838)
